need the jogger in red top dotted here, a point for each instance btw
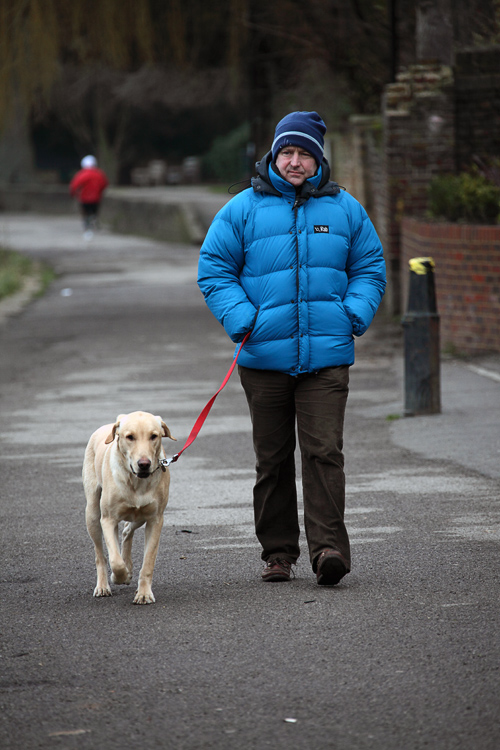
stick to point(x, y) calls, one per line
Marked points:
point(88, 186)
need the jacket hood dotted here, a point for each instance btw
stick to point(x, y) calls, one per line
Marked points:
point(262, 183)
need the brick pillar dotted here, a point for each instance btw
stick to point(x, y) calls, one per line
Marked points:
point(419, 143)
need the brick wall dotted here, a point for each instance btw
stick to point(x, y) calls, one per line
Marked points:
point(467, 277)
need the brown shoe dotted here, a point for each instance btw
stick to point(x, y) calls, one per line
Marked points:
point(332, 566)
point(277, 570)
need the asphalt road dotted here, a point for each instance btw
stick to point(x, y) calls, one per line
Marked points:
point(403, 654)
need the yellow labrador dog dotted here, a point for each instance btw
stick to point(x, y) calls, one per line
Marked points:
point(125, 481)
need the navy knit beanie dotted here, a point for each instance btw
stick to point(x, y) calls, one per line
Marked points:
point(304, 129)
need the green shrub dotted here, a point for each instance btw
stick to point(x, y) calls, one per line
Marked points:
point(226, 160)
point(467, 197)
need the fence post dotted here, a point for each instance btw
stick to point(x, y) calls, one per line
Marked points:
point(421, 342)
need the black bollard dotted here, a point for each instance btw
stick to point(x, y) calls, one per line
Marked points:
point(421, 342)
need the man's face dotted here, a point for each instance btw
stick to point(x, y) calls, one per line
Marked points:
point(295, 165)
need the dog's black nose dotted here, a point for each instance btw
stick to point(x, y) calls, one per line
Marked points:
point(144, 464)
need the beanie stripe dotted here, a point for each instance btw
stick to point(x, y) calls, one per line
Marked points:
point(302, 135)
point(303, 129)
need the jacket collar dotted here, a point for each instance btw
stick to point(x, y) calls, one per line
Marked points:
point(269, 180)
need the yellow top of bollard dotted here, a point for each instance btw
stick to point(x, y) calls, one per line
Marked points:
point(422, 265)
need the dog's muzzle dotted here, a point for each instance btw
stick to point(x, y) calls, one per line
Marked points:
point(145, 473)
point(143, 469)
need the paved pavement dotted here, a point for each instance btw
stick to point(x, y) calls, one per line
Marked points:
point(403, 653)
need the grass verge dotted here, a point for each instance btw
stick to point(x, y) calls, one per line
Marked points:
point(16, 269)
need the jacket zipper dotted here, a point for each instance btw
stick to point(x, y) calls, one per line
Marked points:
point(295, 211)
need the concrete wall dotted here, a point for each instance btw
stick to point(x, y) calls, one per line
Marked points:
point(158, 220)
point(127, 214)
point(47, 199)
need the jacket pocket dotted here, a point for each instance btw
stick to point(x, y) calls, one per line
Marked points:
point(344, 317)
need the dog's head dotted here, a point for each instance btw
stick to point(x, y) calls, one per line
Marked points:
point(138, 438)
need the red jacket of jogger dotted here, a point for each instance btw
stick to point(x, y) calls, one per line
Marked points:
point(88, 185)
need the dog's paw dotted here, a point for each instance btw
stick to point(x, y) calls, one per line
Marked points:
point(144, 598)
point(121, 576)
point(102, 591)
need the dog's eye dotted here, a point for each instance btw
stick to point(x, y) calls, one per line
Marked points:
point(154, 436)
point(131, 438)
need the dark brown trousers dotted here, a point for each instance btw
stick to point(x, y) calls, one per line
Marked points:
point(315, 402)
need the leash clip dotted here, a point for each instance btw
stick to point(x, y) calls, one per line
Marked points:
point(165, 462)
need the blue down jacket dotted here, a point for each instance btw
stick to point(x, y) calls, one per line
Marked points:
point(304, 271)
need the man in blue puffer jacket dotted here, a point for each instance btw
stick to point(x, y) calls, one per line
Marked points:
point(297, 262)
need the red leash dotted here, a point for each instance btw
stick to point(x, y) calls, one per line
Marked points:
point(204, 414)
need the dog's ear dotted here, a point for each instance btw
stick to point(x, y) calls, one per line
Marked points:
point(112, 434)
point(166, 431)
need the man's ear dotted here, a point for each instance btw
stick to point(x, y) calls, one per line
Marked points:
point(112, 434)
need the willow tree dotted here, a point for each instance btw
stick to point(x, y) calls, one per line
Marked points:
point(37, 38)
point(41, 40)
